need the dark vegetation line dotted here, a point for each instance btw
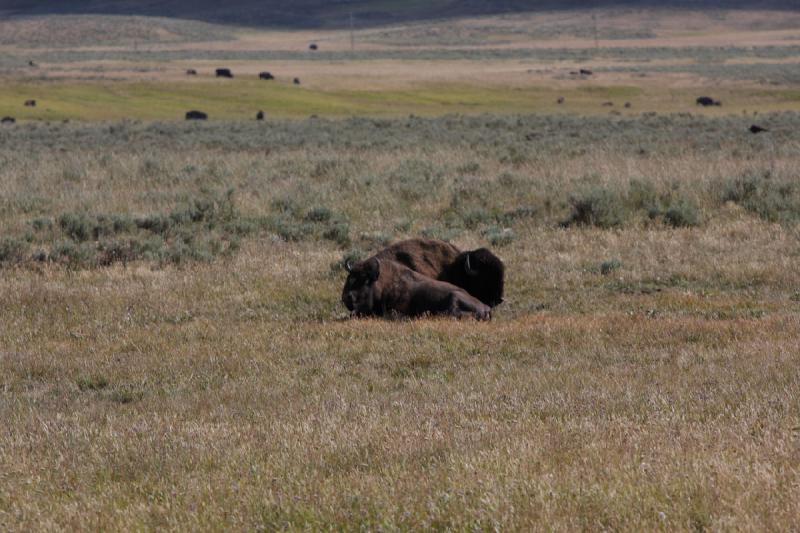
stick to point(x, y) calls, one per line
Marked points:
point(328, 14)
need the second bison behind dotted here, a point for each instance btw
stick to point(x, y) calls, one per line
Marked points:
point(419, 276)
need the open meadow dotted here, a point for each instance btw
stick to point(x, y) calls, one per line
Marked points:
point(93, 67)
point(174, 354)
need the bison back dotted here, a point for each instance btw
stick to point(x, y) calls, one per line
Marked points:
point(429, 257)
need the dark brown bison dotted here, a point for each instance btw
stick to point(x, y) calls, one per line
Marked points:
point(30, 103)
point(196, 115)
point(560, 100)
point(376, 287)
point(312, 46)
point(479, 272)
point(585, 72)
point(260, 115)
point(7, 120)
point(296, 81)
point(224, 73)
point(191, 72)
point(265, 76)
point(706, 101)
point(755, 128)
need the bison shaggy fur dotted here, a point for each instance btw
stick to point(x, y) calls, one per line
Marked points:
point(479, 272)
point(196, 115)
point(376, 287)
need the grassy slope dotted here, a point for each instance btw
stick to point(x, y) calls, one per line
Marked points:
point(239, 99)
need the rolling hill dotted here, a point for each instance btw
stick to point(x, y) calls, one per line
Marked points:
point(336, 13)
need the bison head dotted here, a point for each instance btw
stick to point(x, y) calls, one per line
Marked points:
point(480, 273)
point(358, 294)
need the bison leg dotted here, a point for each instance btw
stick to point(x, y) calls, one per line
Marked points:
point(460, 307)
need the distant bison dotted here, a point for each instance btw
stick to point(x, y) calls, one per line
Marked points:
point(706, 101)
point(7, 120)
point(30, 103)
point(627, 105)
point(560, 100)
point(757, 129)
point(378, 287)
point(479, 272)
point(296, 81)
point(312, 46)
point(585, 72)
point(224, 73)
point(31, 63)
point(196, 115)
point(265, 76)
point(608, 104)
point(191, 72)
point(260, 115)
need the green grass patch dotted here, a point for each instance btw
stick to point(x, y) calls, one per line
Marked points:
point(241, 97)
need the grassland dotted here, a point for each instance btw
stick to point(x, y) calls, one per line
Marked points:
point(111, 68)
point(173, 352)
point(86, 100)
point(641, 374)
point(91, 30)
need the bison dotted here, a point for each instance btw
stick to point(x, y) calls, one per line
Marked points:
point(196, 115)
point(296, 81)
point(191, 72)
point(312, 46)
point(224, 73)
point(30, 103)
point(585, 72)
point(260, 115)
point(7, 120)
point(376, 287)
point(479, 272)
point(560, 100)
point(755, 128)
point(706, 101)
point(265, 76)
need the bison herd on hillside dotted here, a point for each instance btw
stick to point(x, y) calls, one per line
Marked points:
point(223, 72)
point(425, 276)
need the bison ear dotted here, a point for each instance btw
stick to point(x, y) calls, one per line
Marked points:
point(373, 269)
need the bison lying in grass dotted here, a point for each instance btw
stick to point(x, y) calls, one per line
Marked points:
point(377, 287)
point(478, 273)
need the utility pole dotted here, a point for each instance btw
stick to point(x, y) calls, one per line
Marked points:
point(352, 35)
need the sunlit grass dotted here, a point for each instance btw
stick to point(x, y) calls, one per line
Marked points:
point(241, 98)
point(639, 376)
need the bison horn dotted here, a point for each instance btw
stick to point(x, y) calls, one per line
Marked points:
point(471, 271)
point(348, 266)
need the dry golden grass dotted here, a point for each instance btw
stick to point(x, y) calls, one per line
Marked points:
point(636, 378)
point(186, 399)
point(235, 394)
